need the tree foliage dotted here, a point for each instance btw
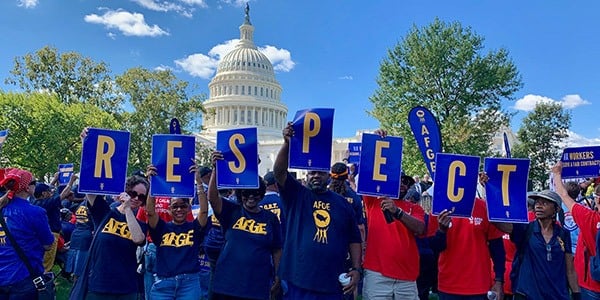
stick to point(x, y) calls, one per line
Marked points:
point(153, 98)
point(443, 67)
point(72, 77)
point(44, 132)
point(541, 136)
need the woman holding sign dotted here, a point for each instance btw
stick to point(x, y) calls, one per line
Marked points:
point(252, 251)
point(178, 246)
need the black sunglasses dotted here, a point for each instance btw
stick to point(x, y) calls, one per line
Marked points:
point(141, 197)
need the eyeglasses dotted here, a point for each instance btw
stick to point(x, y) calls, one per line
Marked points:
point(251, 195)
point(141, 197)
point(548, 252)
point(181, 206)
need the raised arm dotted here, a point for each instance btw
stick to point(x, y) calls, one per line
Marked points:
point(137, 235)
point(281, 161)
point(67, 190)
point(559, 187)
point(151, 203)
point(202, 197)
point(213, 194)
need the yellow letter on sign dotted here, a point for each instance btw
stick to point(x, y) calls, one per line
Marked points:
point(506, 169)
point(103, 158)
point(308, 132)
point(462, 171)
point(238, 154)
point(379, 160)
point(172, 161)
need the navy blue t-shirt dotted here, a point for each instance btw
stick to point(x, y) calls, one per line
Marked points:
point(542, 274)
point(356, 202)
point(244, 267)
point(320, 228)
point(81, 238)
point(52, 206)
point(177, 247)
point(272, 203)
point(28, 224)
point(113, 262)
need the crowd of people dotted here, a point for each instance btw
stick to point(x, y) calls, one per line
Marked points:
point(314, 238)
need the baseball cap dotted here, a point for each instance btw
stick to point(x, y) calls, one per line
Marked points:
point(270, 178)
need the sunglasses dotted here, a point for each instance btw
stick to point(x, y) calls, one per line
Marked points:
point(141, 197)
point(181, 206)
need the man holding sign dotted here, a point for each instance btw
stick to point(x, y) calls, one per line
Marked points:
point(392, 257)
point(321, 230)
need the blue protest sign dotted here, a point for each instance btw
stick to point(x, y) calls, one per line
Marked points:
point(173, 155)
point(380, 166)
point(354, 153)
point(310, 147)
point(175, 128)
point(239, 167)
point(506, 146)
point(506, 189)
point(427, 133)
point(103, 168)
point(581, 162)
point(65, 171)
point(455, 184)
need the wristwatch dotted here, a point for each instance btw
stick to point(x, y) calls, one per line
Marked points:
point(359, 270)
point(399, 213)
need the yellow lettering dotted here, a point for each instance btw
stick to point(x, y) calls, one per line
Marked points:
point(321, 205)
point(238, 154)
point(103, 158)
point(172, 161)
point(308, 132)
point(506, 169)
point(250, 225)
point(462, 171)
point(183, 239)
point(379, 160)
point(117, 228)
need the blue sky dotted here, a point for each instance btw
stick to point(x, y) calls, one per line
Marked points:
point(326, 53)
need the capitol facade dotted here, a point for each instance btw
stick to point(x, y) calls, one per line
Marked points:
point(245, 93)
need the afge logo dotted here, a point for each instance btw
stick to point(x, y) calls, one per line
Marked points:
point(570, 224)
point(322, 220)
point(476, 221)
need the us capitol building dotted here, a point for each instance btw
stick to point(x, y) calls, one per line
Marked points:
point(245, 93)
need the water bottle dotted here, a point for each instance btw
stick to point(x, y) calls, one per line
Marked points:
point(491, 295)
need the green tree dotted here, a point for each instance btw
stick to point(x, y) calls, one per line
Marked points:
point(153, 98)
point(443, 67)
point(74, 78)
point(540, 138)
point(44, 132)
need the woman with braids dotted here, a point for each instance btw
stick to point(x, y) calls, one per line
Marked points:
point(340, 185)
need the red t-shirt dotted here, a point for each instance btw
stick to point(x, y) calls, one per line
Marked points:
point(588, 222)
point(465, 264)
point(162, 210)
point(391, 248)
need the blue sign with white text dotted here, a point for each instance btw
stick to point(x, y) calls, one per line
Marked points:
point(581, 162)
point(506, 189)
point(455, 184)
point(380, 166)
point(65, 171)
point(354, 153)
point(239, 167)
point(104, 157)
point(173, 155)
point(310, 147)
point(426, 131)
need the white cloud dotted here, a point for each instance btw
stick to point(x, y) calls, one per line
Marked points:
point(205, 65)
point(280, 58)
point(237, 3)
point(576, 140)
point(185, 10)
point(346, 77)
point(529, 102)
point(130, 24)
point(112, 35)
point(163, 68)
point(28, 3)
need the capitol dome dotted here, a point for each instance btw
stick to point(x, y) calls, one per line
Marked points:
point(244, 91)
